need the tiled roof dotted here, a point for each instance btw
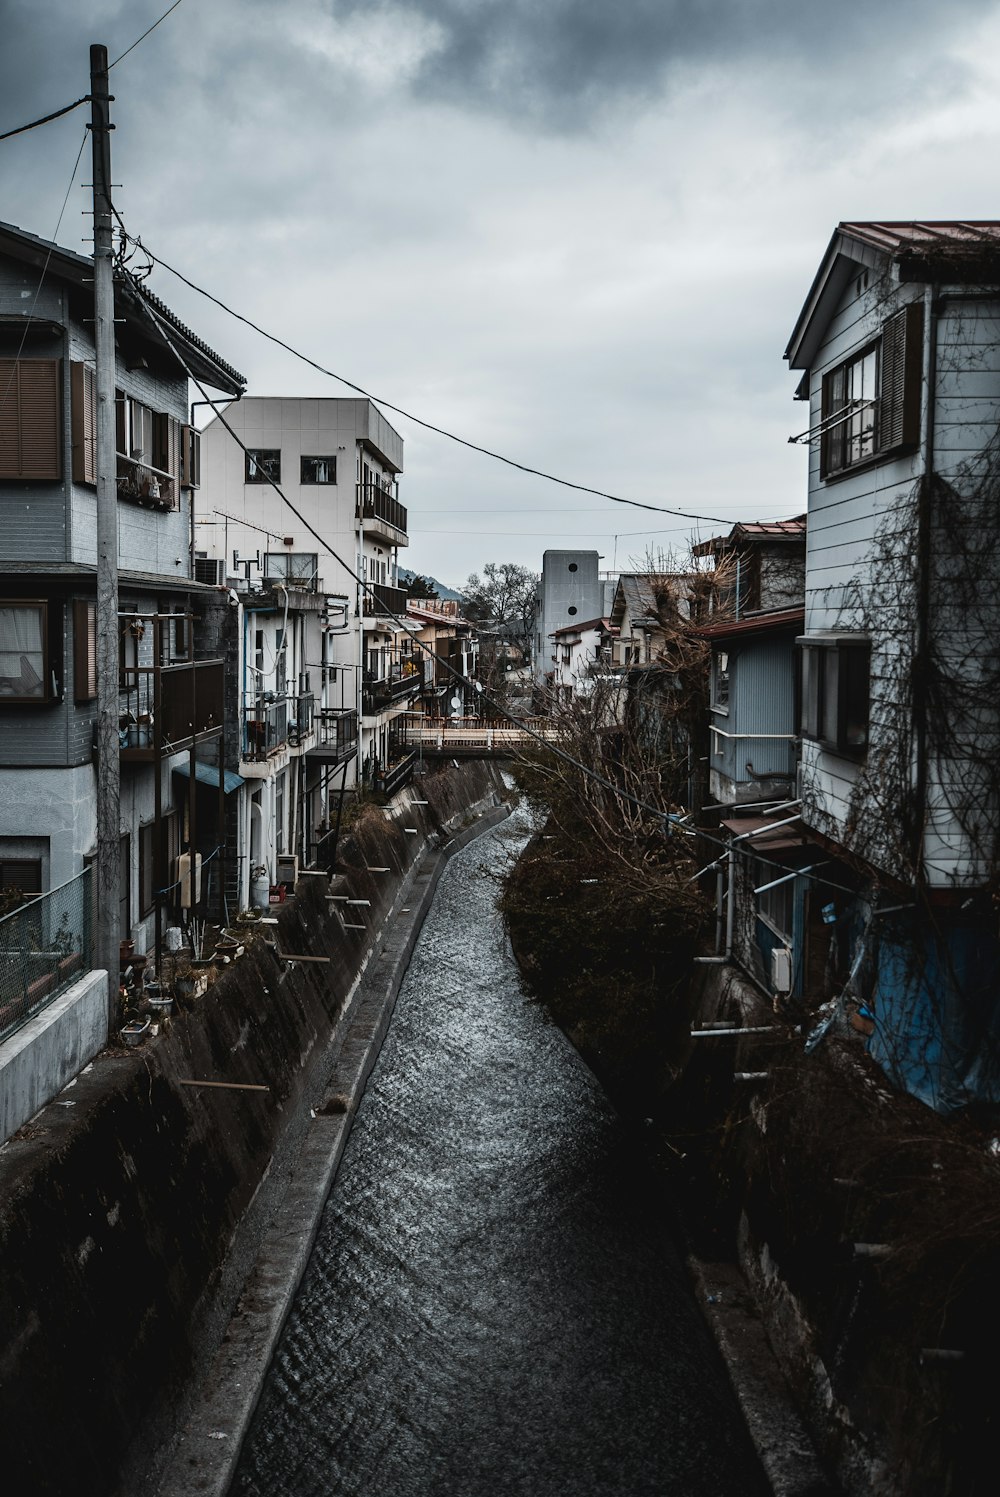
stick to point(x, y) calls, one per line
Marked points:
point(69, 265)
point(604, 624)
point(778, 530)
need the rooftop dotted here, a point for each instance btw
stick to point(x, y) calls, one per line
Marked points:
point(51, 259)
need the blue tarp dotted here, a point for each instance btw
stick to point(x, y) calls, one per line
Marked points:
point(208, 774)
point(936, 1000)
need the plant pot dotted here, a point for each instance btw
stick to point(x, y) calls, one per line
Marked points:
point(162, 1008)
point(135, 1031)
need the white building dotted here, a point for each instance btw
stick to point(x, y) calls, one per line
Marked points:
point(336, 541)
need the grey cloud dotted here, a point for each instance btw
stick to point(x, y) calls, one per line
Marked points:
point(556, 62)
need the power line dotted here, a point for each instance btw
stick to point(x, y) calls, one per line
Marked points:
point(55, 115)
point(440, 431)
point(45, 266)
point(142, 38)
point(654, 812)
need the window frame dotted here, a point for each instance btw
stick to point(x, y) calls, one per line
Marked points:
point(41, 607)
point(835, 676)
point(721, 674)
point(898, 350)
point(330, 458)
point(262, 465)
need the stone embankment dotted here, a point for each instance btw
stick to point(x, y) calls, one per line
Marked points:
point(135, 1205)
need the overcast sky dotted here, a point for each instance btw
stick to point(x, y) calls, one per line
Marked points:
point(574, 231)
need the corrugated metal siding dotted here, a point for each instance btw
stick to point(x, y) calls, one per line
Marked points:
point(761, 700)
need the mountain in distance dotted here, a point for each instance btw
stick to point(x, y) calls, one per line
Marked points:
point(405, 575)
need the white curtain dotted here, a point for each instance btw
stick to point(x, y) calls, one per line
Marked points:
point(22, 668)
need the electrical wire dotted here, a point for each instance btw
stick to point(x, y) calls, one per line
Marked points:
point(654, 812)
point(440, 431)
point(142, 38)
point(45, 266)
point(55, 115)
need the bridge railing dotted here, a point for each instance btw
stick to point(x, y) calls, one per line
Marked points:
point(473, 733)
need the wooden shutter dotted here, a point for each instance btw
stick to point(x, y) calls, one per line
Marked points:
point(84, 650)
point(899, 404)
point(30, 408)
point(190, 457)
point(83, 422)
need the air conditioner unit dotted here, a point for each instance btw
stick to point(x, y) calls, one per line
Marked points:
point(781, 970)
point(287, 869)
point(210, 569)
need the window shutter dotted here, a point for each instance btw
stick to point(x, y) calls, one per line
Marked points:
point(83, 422)
point(902, 340)
point(30, 444)
point(84, 650)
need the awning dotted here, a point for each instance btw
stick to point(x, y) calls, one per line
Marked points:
point(208, 774)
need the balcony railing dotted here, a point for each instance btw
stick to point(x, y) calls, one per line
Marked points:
point(394, 776)
point(337, 733)
point(402, 682)
point(301, 715)
point(162, 708)
point(265, 727)
point(44, 947)
point(374, 503)
point(144, 484)
point(384, 599)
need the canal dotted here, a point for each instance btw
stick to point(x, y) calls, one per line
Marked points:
point(495, 1303)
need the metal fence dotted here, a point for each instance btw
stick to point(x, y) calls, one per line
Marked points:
point(45, 945)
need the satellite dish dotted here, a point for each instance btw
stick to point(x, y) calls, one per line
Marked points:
point(456, 702)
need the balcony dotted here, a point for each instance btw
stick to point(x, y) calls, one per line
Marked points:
point(265, 727)
point(402, 682)
point(140, 483)
point(302, 711)
point(386, 600)
point(162, 709)
point(382, 512)
point(336, 735)
point(394, 776)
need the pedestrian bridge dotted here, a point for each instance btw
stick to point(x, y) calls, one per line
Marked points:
point(471, 738)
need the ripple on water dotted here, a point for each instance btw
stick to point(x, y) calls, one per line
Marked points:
point(494, 1304)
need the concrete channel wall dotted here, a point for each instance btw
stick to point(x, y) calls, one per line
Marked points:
point(134, 1206)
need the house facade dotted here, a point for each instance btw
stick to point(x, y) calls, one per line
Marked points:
point(338, 540)
point(900, 686)
point(171, 675)
point(755, 614)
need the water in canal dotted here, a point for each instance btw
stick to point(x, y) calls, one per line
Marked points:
point(494, 1304)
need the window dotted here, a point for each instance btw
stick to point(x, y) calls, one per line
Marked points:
point(263, 465)
point(318, 470)
point(24, 876)
point(30, 418)
point(84, 650)
point(23, 652)
point(871, 402)
point(775, 905)
point(720, 681)
point(835, 693)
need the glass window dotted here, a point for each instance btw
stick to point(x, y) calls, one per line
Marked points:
point(263, 465)
point(318, 470)
point(22, 652)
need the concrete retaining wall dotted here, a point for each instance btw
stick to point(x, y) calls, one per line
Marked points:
point(52, 1048)
point(133, 1206)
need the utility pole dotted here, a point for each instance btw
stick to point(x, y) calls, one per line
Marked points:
point(107, 893)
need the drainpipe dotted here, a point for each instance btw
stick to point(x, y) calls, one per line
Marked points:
point(923, 543)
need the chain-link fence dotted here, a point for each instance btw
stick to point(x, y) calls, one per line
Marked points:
point(45, 945)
